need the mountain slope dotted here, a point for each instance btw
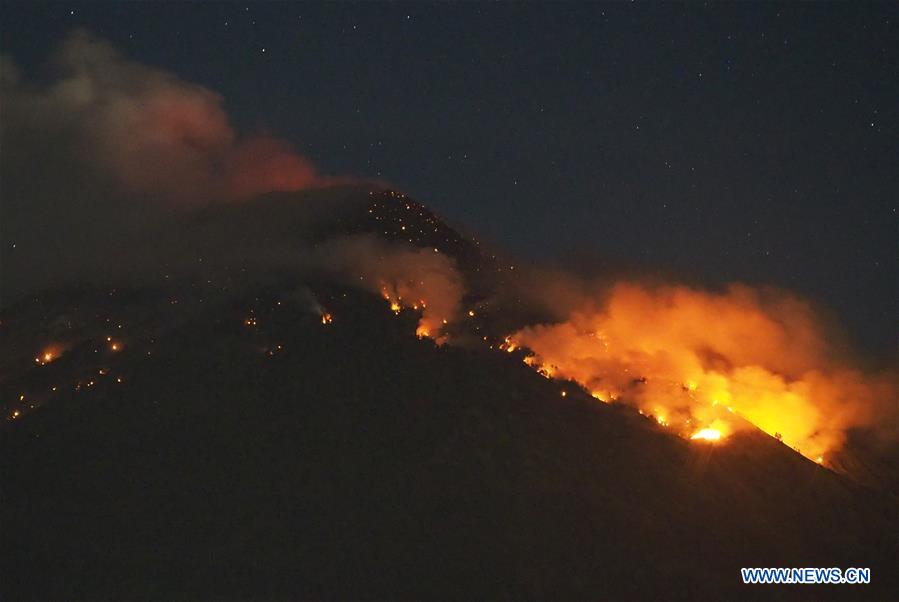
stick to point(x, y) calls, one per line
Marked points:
point(238, 445)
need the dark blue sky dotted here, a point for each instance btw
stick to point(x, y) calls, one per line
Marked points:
point(731, 142)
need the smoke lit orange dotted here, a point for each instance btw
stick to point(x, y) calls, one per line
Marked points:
point(703, 363)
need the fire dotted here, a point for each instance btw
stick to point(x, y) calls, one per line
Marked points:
point(405, 277)
point(428, 326)
point(48, 355)
point(707, 364)
point(508, 345)
point(707, 434)
point(327, 318)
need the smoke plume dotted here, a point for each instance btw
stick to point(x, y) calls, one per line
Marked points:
point(100, 152)
point(152, 133)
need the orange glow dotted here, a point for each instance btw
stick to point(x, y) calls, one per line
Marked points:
point(508, 345)
point(707, 435)
point(706, 364)
point(48, 354)
point(429, 322)
point(327, 318)
point(405, 278)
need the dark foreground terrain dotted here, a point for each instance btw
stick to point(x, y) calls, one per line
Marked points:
point(232, 445)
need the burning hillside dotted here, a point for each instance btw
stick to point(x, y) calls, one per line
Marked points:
point(310, 428)
point(705, 364)
point(226, 374)
point(288, 363)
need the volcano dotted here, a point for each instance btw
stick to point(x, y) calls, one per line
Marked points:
point(242, 415)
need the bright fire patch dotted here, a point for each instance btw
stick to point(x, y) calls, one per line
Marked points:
point(707, 435)
point(704, 365)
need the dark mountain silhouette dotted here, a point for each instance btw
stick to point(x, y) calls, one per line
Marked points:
point(220, 433)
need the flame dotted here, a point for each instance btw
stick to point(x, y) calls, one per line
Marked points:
point(707, 364)
point(326, 319)
point(429, 326)
point(508, 345)
point(406, 278)
point(49, 354)
point(707, 434)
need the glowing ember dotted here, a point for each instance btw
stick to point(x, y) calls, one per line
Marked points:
point(327, 318)
point(48, 355)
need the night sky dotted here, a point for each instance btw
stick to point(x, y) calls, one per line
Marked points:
point(732, 142)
